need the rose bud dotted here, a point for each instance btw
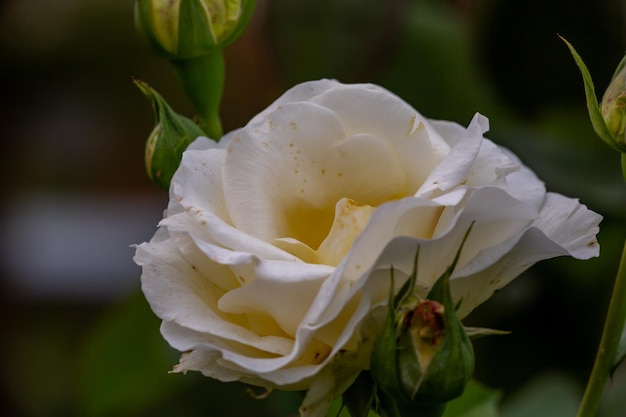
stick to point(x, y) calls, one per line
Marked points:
point(171, 135)
point(192, 33)
point(435, 358)
point(423, 358)
point(614, 104)
point(206, 24)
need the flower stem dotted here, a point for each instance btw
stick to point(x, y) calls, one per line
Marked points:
point(609, 343)
point(202, 79)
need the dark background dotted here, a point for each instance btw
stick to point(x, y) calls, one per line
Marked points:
point(77, 336)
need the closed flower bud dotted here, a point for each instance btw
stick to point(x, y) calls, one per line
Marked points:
point(423, 357)
point(614, 104)
point(171, 135)
point(184, 29)
point(435, 358)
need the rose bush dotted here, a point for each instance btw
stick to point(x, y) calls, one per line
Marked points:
point(278, 241)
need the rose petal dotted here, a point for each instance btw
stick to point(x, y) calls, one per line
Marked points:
point(367, 108)
point(456, 165)
point(197, 188)
point(281, 176)
point(570, 224)
point(178, 293)
point(293, 284)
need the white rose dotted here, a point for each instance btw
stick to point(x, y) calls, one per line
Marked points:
point(278, 241)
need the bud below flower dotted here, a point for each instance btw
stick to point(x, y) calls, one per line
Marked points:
point(614, 104)
point(423, 357)
point(184, 29)
point(435, 358)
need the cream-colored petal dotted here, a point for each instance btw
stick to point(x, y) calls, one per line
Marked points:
point(455, 166)
point(283, 179)
point(299, 93)
point(375, 111)
point(496, 218)
point(570, 224)
point(281, 290)
point(350, 220)
point(179, 294)
point(197, 189)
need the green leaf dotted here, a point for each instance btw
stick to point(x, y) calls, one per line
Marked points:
point(476, 401)
point(170, 137)
point(595, 113)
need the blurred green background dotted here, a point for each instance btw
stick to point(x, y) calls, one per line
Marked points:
point(78, 339)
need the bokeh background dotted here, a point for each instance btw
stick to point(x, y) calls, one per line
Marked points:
point(78, 339)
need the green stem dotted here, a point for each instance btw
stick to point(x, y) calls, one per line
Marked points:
point(202, 79)
point(609, 343)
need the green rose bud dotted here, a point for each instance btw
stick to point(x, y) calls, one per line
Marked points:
point(171, 135)
point(614, 104)
point(435, 357)
point(184, 29)
point(423, 357)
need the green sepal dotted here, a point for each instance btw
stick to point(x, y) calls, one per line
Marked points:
point(477, 332)
point(383, 363)
point(595, 113)
point(171, 135)
point(247, 9)
point(195, 37)
point(359, 397)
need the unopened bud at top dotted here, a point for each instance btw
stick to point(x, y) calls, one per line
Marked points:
point(183, 29)
point(614, 104)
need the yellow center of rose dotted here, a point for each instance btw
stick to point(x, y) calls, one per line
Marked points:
point(320, 239)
